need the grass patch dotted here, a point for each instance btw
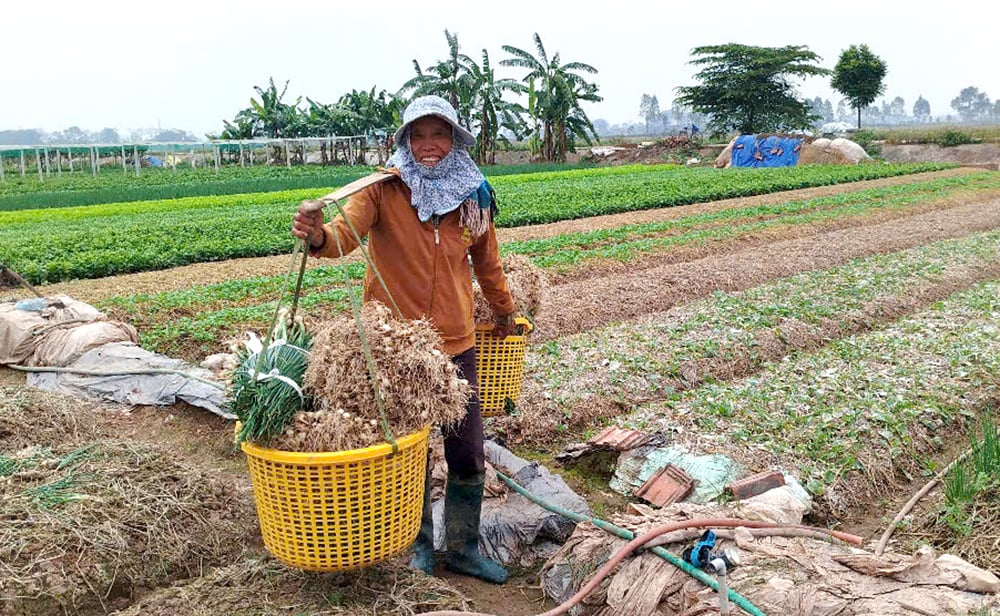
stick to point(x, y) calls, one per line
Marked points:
point(969, 481)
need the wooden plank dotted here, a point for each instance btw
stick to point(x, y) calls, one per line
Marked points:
point(346, 191)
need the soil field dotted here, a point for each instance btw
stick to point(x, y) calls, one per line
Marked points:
point(171, 529)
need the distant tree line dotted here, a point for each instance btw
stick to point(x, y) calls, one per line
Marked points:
point(76, 135)
point(740, 88)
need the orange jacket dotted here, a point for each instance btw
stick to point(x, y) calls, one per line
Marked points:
point(425, 265)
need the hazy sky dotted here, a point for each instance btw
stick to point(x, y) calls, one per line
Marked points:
point(190, 64)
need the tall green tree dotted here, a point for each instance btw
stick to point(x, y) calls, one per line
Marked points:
point(921, 108)
point(447, 78)
point(859, 76)
point(556, 91)
point(268, 117)
point(749, 89)
point(491, 112)
point(971, 104)
point(897, 107)
point(274, 117)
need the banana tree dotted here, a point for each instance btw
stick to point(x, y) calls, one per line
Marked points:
point(560, 90)
point(448, 79)
point(491, 111)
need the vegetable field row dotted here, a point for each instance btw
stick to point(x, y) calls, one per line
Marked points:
point(172, 321)
point(724, 333)
point(115, 185)
point(856, 412)
point(104, 240)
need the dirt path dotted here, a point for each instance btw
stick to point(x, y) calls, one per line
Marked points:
point(93, 291)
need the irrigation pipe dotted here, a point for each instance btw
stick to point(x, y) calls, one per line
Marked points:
point(910, 504)
point(646, 538)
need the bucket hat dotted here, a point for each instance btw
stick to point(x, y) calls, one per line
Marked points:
point(434, 105)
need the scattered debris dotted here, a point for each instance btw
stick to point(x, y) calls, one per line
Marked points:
point(69, 346)
point(668, 485)
point(794, 576)
point(619, 439)
point(755, 484)
point(780, 505)
point(711, 473)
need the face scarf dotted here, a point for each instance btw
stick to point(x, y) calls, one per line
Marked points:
point(448, 185)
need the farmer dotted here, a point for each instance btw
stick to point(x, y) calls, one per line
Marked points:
point(423, 227)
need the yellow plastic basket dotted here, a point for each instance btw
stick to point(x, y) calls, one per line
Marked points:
point(339, 510)
point(500, 366)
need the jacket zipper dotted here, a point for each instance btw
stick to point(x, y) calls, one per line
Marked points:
point(435, 221)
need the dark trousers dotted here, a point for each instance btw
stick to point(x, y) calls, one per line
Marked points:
point(463, 441)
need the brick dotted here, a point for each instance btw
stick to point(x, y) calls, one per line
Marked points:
point(667, 485)
point(619, 439)
point(756, 484)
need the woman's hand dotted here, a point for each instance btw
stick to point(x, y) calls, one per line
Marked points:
point(503, 325)
point(308, 225)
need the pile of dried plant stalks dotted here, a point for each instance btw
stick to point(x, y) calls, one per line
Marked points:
point(527, 284)
point(417, 382)
point(252, 587)
point(87, 523)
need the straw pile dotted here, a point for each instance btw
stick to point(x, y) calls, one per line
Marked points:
point(89, 521)
point(419, 384)
point(527, 283)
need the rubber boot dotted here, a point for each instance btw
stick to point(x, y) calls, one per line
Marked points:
point(462, 509)
point(423, 547)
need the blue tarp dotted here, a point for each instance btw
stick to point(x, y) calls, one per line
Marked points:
point(753, 151)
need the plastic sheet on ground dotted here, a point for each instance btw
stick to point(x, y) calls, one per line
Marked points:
point(711, 472)
point(134, 389)
point(61, 332)
point(791, 576)
point(513, 530)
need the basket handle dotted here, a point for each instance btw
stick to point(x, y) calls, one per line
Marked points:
point(524, 323)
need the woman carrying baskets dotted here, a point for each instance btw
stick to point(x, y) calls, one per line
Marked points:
point(423, 227)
